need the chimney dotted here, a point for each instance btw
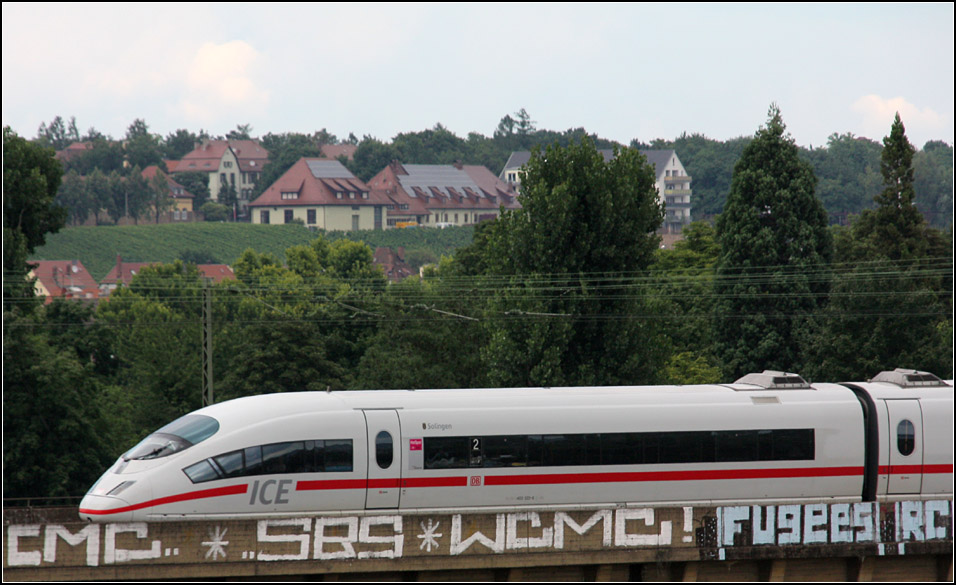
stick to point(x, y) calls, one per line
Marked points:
point(458, 165)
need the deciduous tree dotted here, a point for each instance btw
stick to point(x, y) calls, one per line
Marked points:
point(563, 312)
point(31, 178)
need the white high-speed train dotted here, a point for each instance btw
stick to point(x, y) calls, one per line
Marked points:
point(767, 437)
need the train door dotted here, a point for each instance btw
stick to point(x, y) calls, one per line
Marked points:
point(384, 459)
point(906, 447)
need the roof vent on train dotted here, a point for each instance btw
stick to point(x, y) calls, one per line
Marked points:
point(772, 380)
point(908, 378)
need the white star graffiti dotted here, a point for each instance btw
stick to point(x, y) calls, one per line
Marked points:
point(216, 544)
point(428, 536)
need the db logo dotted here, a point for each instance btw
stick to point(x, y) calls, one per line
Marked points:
point(475, 480)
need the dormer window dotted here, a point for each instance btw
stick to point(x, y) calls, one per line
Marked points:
point(338, 194)
point(351, 195)
point(364, 194)
point(290, 195)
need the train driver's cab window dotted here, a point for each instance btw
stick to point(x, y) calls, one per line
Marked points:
point(905, 437)
point(383, 449)
point(177, 436)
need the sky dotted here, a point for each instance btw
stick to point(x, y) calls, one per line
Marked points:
point(621, 71)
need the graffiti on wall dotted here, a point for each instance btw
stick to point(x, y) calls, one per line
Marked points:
point(392, 536)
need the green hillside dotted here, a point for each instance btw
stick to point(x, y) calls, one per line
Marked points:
point(97, 247)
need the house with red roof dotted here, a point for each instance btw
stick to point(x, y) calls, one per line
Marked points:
point(122, 273)
point(73, 151)
point(63, 278)
point(393, 263)
point(216, 272)
point(237, 163)
point(337, 150)
point(442, 195)
point(182, 199)
point(323, 194)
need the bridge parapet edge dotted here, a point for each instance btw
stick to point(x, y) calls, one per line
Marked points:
point(389, 541)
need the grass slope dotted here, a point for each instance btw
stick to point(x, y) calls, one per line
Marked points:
point(97, 247)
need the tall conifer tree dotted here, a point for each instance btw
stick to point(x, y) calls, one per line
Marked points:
point(892, 304)
point(775, 248)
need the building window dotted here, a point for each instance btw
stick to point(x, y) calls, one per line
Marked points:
point(364, 194)
point(288, 216)
point(338, 195)
point(227, 164)
point(355, 208)
point(310, 216)
point(290, 195)
point(264, 216)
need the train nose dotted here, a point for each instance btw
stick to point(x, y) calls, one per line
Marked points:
point(97, 508)
point(115, 498)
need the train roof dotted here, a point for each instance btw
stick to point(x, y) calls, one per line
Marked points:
point(277, 405)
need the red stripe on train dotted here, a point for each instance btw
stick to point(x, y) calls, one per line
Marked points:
point(330, 484)
point(921, 469)
point(671, 475)
point(539, 479)
point(346, 484)
point(231, 490)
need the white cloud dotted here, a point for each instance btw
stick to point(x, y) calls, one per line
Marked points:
point(878, 113)
point(220, 82)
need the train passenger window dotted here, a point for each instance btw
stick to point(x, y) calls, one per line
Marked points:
point(281, 457)
point(299, 460)
point(315, 451)
point(764, 445)
point(231, 464)
point(474, 455)
point(735, 446)
point(680, 447)
point(505, 451)
point(592, 449)
point(560, 450)
point(202, 471)
point(622, 449)
point(793, 444)
point(338, 455)
point(253, 460)
point(652, 448)
point(446, 452)
point(383, 449)
point(905, 437)
point(291, 457)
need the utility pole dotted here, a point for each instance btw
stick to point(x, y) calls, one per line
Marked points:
point(207, 395)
